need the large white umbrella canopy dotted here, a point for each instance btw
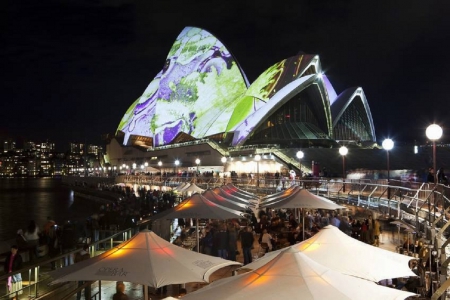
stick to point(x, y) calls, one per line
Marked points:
point(302, 198)
point(293, 275)
point(199, 207)
point(335, 250)
point(184, 187)
point(231, 196)
point(241, 193)
point(180, 186)
point(280, 195)
point(193, 188)
point(216, 198)
point(145, 259)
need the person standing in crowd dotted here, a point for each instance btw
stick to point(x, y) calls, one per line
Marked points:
point(370, 229)
point(247, 240)
point(13, 263)
point(221, 241)
point(80, 256)
point(430, 176)
point(232, 243)
point(441, 178)
point(266, 241)
point(335, 221)
point(376, 232)
point(46, 229)
point(207, 241)
point(120, 292)
point(32, 237)
point(68, 241)
point(21, 240)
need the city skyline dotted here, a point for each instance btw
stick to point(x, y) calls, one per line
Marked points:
point(71, 70)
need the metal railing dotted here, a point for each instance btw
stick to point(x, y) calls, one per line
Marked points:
point(36, 283)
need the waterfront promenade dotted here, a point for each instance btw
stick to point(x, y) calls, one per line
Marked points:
point(389, 241)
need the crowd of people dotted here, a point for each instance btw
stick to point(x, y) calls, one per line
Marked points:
point(273, 230)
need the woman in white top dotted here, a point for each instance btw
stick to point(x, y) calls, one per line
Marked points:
point(267, 238)
point(32, 236)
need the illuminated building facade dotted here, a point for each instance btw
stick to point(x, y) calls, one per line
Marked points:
point(202, 93)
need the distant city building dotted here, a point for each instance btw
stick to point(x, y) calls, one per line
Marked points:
point(39, 159)
point(9, 145)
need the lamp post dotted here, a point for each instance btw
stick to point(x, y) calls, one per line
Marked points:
point(388, 144)
point(433, 133)
point(343, 152)
point(197, 162)
point(300, 155)
point(257, 159)
point(224, 161)
point(177, 162)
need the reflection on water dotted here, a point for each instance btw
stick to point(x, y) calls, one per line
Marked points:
point(25, 199)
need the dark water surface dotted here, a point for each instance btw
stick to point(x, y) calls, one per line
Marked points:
point(25, 199)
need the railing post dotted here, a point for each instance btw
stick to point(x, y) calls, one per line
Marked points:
point(36, 278)
point(29, 283)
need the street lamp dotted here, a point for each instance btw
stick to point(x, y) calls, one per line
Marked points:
point(343, 152)
point(434, 132)
point(224, 161)
point(257, 159)
point(300, 155)
point(177, 162)
point(388, 144)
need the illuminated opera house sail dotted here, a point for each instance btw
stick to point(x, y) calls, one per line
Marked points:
point(202, 92)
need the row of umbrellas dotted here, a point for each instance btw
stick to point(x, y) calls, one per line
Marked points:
point(328, 265)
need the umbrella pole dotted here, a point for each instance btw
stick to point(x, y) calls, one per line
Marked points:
point(145, 292)
point(198, 234)
point(303, 229)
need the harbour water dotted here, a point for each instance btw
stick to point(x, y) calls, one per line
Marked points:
point(25, 199)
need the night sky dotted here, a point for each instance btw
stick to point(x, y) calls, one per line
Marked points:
point(71, 68)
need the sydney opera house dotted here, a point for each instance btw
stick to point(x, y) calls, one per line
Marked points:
point(201, 106)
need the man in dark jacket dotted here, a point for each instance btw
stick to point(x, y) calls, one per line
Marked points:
point(247, 240)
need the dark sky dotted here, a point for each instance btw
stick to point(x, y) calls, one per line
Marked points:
point(70, 68)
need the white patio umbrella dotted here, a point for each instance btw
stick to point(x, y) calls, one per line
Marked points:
point(237, 191)
point(216, 198)
point(293, 275)
point(198, 207)
point(231, 196)
point(193, 188)
point(335, 250)
point(145, 259)
point(301, 198)
point(181, 186)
